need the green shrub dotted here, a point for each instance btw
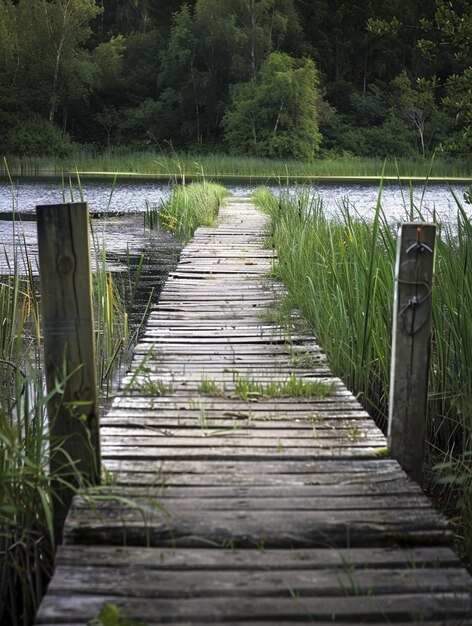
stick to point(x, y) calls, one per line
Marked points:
point(35, 136)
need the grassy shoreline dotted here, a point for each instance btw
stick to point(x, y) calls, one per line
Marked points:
point(256, 179)
point(224, 168)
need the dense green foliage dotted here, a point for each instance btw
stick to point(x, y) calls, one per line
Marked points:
point(340, 276)
point(269, 77)
point(275, 114)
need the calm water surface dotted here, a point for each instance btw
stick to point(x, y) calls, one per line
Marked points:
point(132, 197)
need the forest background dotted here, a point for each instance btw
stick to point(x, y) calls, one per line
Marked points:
point(278, 78)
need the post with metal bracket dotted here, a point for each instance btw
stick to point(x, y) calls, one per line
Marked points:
point(411, 341)
point(69, 352)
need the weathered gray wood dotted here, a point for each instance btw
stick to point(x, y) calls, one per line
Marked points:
point(411, 337)
point(209, 559)
point(212, 438)
point(308, 469)
point(69, 351)
point(162, 583)
point(152, 523)
point(353, 609)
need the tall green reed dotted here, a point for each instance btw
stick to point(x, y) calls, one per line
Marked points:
point(26, 498)
point(26, 541)
point(339, 272)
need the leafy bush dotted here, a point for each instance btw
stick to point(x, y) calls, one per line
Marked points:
point(35, 136)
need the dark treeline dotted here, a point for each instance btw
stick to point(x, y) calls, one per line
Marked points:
point(266, 77)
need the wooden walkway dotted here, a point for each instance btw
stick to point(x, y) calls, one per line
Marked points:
point(235, 506)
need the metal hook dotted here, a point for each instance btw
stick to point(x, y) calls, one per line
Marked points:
point(419, 246)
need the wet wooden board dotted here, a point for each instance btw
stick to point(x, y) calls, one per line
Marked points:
point(265, 510)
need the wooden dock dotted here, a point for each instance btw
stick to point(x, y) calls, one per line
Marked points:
point(232, 503)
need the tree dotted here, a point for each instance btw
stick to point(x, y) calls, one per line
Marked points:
point(276, 115)
point(453, 23)
point(217, 44)
point(65, 25)
point(43, 53)
point(45, 69)
point(416, 103)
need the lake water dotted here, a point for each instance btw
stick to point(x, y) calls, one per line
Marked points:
point(130, 197)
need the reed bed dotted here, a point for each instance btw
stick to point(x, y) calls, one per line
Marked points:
point(25, 511)
point(26, 528)
point(339, 272)
point(189, 206)
point(171, 165)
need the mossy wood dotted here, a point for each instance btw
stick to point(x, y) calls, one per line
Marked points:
point(411, 339)
point(69, 352)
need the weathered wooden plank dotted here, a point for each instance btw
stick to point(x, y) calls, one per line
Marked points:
point(251, 583)
point(233, 439)
point(126, 473)
point(192, 401)
point(219, 340)
point(149, 473)
point(357, 608)
point(209, 559)
point(344, 495)
point(235, 454)
point(234, 501)
point(305, 469)
point(191, 417)
point(153, 523)
point(166, 426)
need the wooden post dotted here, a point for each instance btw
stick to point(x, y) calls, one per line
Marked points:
point(411, 338)
point(69, 351)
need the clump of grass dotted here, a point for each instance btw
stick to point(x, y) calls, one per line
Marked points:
point(110, 615)
point(301, 358)
point(280, 313)
point(210, 387)
point(151, 386)
point(191, 206)
point(293, 387)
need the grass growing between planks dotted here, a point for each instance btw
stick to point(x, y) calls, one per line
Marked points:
point(189, 207)
point(293, 387)
point(340, 276)
point(248, 389)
